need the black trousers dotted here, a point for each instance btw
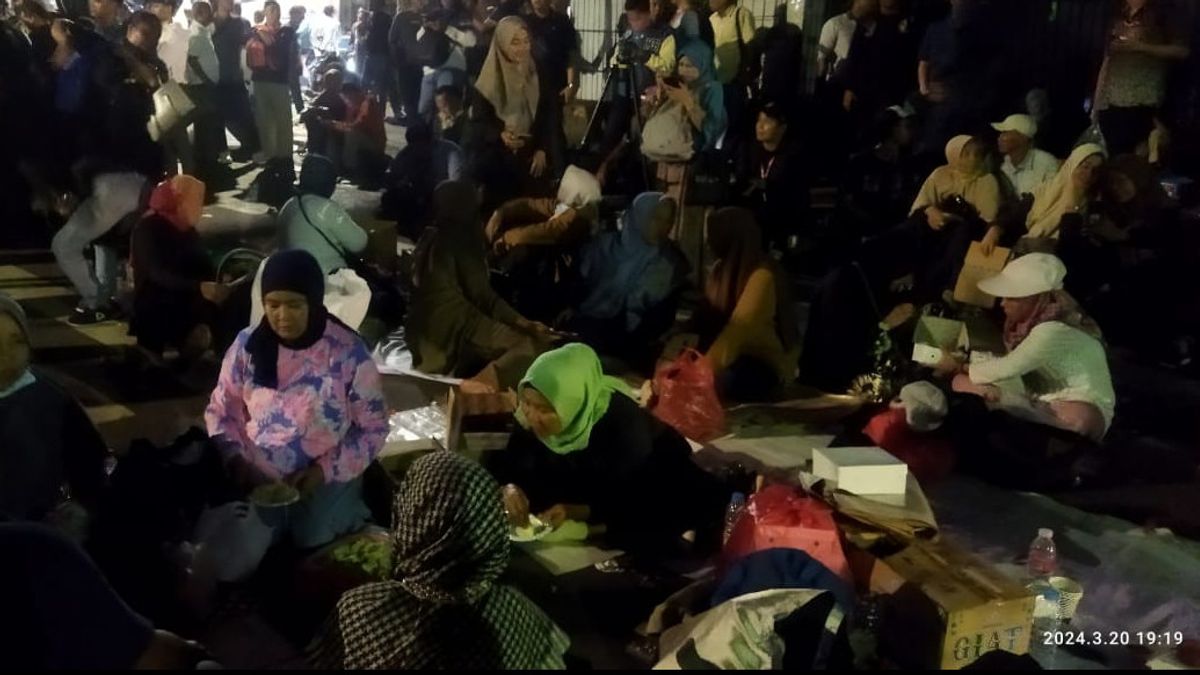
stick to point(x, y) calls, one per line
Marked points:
point(233, 105)
point(209, 132)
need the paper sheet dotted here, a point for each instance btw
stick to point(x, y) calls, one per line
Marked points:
point(562, 559)
point(398, 365)
point(779, 452)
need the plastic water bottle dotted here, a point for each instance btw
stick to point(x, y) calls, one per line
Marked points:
point(732, 512)
point(1043, 555)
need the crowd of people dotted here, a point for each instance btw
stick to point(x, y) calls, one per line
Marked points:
point(687, 215)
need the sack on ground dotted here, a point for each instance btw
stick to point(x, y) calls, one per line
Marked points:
point(686, 397)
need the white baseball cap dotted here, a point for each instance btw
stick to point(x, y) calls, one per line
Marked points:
point(1022, 124)
point(1028, 275)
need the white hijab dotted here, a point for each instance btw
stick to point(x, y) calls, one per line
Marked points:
point(1058, 196)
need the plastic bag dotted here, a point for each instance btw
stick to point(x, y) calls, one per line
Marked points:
point(779, 516)
point(686, 397)
point(347, 296)
point(232, 539)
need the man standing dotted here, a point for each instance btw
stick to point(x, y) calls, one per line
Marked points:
point(107, 17)
point(405, 86)
point(1026, 167)
point(302, 27)
point(203, 72)
point(556, 51)
point(837, 35)
point(878, 72)
point(274, 62)
point(173, 51)
point(233, 100)
point(134, 163)
point(325, 33)
point(378, 73)
point(733, 31)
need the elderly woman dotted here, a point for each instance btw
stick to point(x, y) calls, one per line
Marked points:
point(629, 279)
point(49, 450)
point(586, 452)
point(299, 401)
point(1067, 193)
point(1056, 371)
point(510, 126)
point(175, 301)
point(444, 607)
point(457, 324)
point(746, 321)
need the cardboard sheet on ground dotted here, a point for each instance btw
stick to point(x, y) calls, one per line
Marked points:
point(976, 268)
point(780, 452)
point(908, 516)
point(565, 558)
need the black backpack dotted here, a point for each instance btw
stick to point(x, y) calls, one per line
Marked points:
point(431, 49)
point(276, 184)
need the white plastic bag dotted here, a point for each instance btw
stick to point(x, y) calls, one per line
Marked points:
point(231, 540)
point(347, 297)
point(171, 107)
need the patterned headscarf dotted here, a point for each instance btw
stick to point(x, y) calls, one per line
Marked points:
point(443, 609)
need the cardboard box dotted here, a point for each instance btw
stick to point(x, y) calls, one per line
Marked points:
point(943, 607)
point(976, 268)
point(935, 336)
point(468, 414)
point(861, 471)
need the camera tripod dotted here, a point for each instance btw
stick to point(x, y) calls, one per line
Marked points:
point(623, 73)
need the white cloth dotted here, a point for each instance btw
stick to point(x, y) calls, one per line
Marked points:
point(836, 36)
point(325, 33)
point(200, 46)
point(1056, 363)
point(347, 296)
point(1037, 168)
point(173, 50)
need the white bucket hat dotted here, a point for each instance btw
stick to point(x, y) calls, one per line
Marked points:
point(1022, 124)
point(925, 406)
point(1028, 275)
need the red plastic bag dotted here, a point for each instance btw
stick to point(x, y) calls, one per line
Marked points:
point(929, 456)
point(686, 397)
point(780, 516)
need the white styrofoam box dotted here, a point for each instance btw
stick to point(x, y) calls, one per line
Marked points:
point(861, 471)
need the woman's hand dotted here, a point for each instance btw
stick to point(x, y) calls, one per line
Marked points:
point(558, 514)
point(568, 93)
point(900, 315)
point(936, 218)
point(512, 141)
point(988, 245)
point(951, 364)
point(306, 481)
point(537, 166)
point(494, 224)
point(214, 292)
point(679, 95)
point(536, 328)
point(516, 506)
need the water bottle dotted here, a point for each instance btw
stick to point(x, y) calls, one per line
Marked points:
point(1043, 555)
point(732, 512)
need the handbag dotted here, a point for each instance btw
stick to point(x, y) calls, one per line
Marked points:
point(709, 180)
point(749, 67)
point(171, 107)
point(667, 136)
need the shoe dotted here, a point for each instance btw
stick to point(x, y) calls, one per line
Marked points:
point(90, 317)
point(396, 121)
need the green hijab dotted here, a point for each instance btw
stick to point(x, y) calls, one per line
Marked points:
point(571, 379)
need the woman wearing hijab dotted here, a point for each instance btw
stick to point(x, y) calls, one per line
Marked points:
point(175, 301)
point(586, 452)
point(1054, 353)
point(457, 324)
point(49, 449)
point(629, 279)
point(314, 222)
point(444, 607)
point(1068, 192)
point(699, 93)
point(509, 125)
point(299, 401)
point(747, 319)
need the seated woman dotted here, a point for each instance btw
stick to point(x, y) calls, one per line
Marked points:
point(314, 222)
point(879, 183)
point(747, 320)
point(1056, 370)
point(509, 124)
point(630, 279)
point(457, 324)
point(49, 450)
point(586, 452)
point(299, 401)
point(533, 242)
point(772, 178)
point(1067, 193)
point(444, 607)
point(175, 301)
